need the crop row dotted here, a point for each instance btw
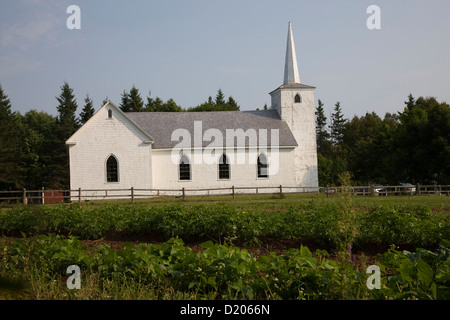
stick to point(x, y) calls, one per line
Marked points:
point(411, 224)
point(220, 271)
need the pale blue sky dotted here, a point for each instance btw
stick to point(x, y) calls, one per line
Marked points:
point(188, 49)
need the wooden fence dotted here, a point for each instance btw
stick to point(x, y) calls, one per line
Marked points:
point(44, 196)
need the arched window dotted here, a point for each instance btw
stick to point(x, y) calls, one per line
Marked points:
point(185, 168)
point(112, 169)
point(262, 166)
point(224, 167)
point(297, 98)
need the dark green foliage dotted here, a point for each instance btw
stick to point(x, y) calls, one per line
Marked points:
point(132, 101)
point(11, 151)
point(218, 105)
point(88, 110)
point(56, 157)
point(325, 224)
point(223, 271)
point(411, 146)
point(337, 125)
point(322, 135)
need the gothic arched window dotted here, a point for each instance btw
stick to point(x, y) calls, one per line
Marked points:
point(224, 167)
point(297, 98)
point(262, 166)
point(185, 168)
point(112, 169)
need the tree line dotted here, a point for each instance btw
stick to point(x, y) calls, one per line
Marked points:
point(409, 146)
point(412, 146)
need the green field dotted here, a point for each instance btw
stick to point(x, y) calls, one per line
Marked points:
point(217, 248)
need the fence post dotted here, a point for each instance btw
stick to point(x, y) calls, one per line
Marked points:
point(418, 189)
point(25, 196)
point(232, 188)
point(79, 195)
point(132, 195)
point(184, 194)
point(42, 196)
point(327, 191)
point(281, 191)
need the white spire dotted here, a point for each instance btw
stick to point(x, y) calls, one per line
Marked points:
point(291, 68)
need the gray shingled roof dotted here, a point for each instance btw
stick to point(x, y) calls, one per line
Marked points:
point(294, 86)
point(161, 125)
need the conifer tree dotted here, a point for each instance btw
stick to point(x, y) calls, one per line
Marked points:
point(88, 110)
point(11, 171)
point(337, 125)
point(135, 100)
point(220, 98)
point(125, 104)
point(56, 155)
point(322, 135)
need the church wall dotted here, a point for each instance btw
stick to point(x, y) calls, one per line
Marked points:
point(204, 175)
point(101, 137)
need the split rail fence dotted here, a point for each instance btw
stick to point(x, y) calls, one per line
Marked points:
point(44, 196)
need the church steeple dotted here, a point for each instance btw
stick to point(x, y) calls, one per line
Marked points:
point(291, 68)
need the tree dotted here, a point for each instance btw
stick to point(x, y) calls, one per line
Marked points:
point(362, 154)
point(232, 104)
point(322, 135)
point(171, 106)
point(125, 104)
point(88, 110)
point(218, 105)
point(37, 129)
point(56, 156)
point(422, 142)
point(157, 105)
point(11, 155)
point(67, 108)
point(220, 98)
point(135, 100)
point(337, 125)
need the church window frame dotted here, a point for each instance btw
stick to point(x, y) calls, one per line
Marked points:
point(184, 169)
point(262, 168)
point(112, 169)
point(224, 168)
point(298, 98)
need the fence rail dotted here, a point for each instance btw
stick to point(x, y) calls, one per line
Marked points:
point(45, 196)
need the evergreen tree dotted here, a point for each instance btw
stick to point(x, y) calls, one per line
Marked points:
point(56, 156)
point(125, 104)
point(171, 106)
point(37, 130)
point(232, 104)
point(220, 98)
point(218, 105)
point(322, 135)
point(11, 155)
point(67, 108)
point(88, 110)
point(337, 125)
point(135, 100)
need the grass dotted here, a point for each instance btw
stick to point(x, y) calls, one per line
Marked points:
point(274, 202)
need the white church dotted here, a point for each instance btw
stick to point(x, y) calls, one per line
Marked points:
point(165, 151)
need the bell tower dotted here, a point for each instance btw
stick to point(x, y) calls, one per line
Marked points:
point(295, 104)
